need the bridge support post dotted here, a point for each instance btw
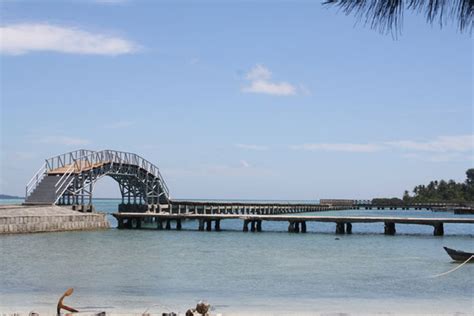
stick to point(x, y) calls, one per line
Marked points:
point(252, 226)
point(291, 227)
point(168, 224)
point(159, 224)
point(201, 225)
point(259, 226)
point(390, 228)
point(348, 228)
point(208, 225)
point(178, 224)
point(246, 226)
point(120, 223)
point(138, 223)
point(297, 227)
point(217, 225)
point(438, 229)
point(340, 229)
point(303, 227)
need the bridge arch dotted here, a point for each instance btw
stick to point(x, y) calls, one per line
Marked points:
point(69, 178)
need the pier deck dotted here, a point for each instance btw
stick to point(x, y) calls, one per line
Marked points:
point(296, 223)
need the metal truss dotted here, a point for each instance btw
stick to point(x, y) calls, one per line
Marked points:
point(139, 180)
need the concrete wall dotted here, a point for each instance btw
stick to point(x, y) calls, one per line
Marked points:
point(24, 222)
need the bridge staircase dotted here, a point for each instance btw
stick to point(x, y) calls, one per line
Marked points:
point(44, 192)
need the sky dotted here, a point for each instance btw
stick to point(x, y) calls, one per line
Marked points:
point(287, 100)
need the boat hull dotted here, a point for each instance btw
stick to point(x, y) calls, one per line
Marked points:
point(457, 255)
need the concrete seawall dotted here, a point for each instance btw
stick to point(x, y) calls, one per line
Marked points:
point(15, 219)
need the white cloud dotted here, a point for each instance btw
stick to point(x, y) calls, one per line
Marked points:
point(459, 143)
point(241, 169)
point(251, 147)
point(438, 157)
point(64, 140)
point(259, 72)
point(442, 148)
point(344, 147)
point(244, 164)
point(17, 39)
point(259, 78)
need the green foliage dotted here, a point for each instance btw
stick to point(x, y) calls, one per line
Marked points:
point(387, 202)
point(444, 191)
point(388, 14)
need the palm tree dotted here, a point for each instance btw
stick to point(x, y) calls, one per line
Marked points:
point(387, 15)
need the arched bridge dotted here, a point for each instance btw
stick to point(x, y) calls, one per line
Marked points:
point(69, 178)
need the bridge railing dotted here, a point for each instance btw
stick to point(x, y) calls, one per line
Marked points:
point(82, 159)
point(35, 180)
point(134, 159)
point(92, 159)
point(66, 159)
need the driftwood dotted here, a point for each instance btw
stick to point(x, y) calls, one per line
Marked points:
point(62, 306)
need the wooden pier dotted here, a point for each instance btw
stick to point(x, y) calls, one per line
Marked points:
point(243, 208)
point(296, 223)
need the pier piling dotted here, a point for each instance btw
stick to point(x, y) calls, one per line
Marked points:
point(138, 223)
point(291, 227)
point(201, 225)
point(348, 228)
point(390, 228)
point(438, 229)
point(303, 227)
point(297, 227)
point(252, 226)
point(340, 228)
point(246, 226)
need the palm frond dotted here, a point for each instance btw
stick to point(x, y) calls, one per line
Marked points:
point(387, 15)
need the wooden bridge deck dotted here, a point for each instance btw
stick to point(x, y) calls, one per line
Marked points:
point(79, 166)
point(296, 223)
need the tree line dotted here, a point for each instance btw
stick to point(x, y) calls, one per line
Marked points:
point(436, 192)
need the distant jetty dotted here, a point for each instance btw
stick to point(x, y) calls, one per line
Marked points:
point(7, 197)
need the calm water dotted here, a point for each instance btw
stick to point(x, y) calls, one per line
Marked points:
point(273, 271)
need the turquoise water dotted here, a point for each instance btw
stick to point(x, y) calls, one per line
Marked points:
point(272, 271)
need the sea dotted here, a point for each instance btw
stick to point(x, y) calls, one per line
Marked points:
point(268, 273)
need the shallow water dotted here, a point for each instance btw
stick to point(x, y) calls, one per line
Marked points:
point(272, 271)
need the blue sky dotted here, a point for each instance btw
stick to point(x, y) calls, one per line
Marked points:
point(247, 99)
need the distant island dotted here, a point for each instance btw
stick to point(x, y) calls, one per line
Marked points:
point(441, 191)
point(6, 196)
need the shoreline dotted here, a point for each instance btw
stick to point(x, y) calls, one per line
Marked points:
point(318, 307)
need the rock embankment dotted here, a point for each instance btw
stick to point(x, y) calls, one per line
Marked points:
point(15, 219)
